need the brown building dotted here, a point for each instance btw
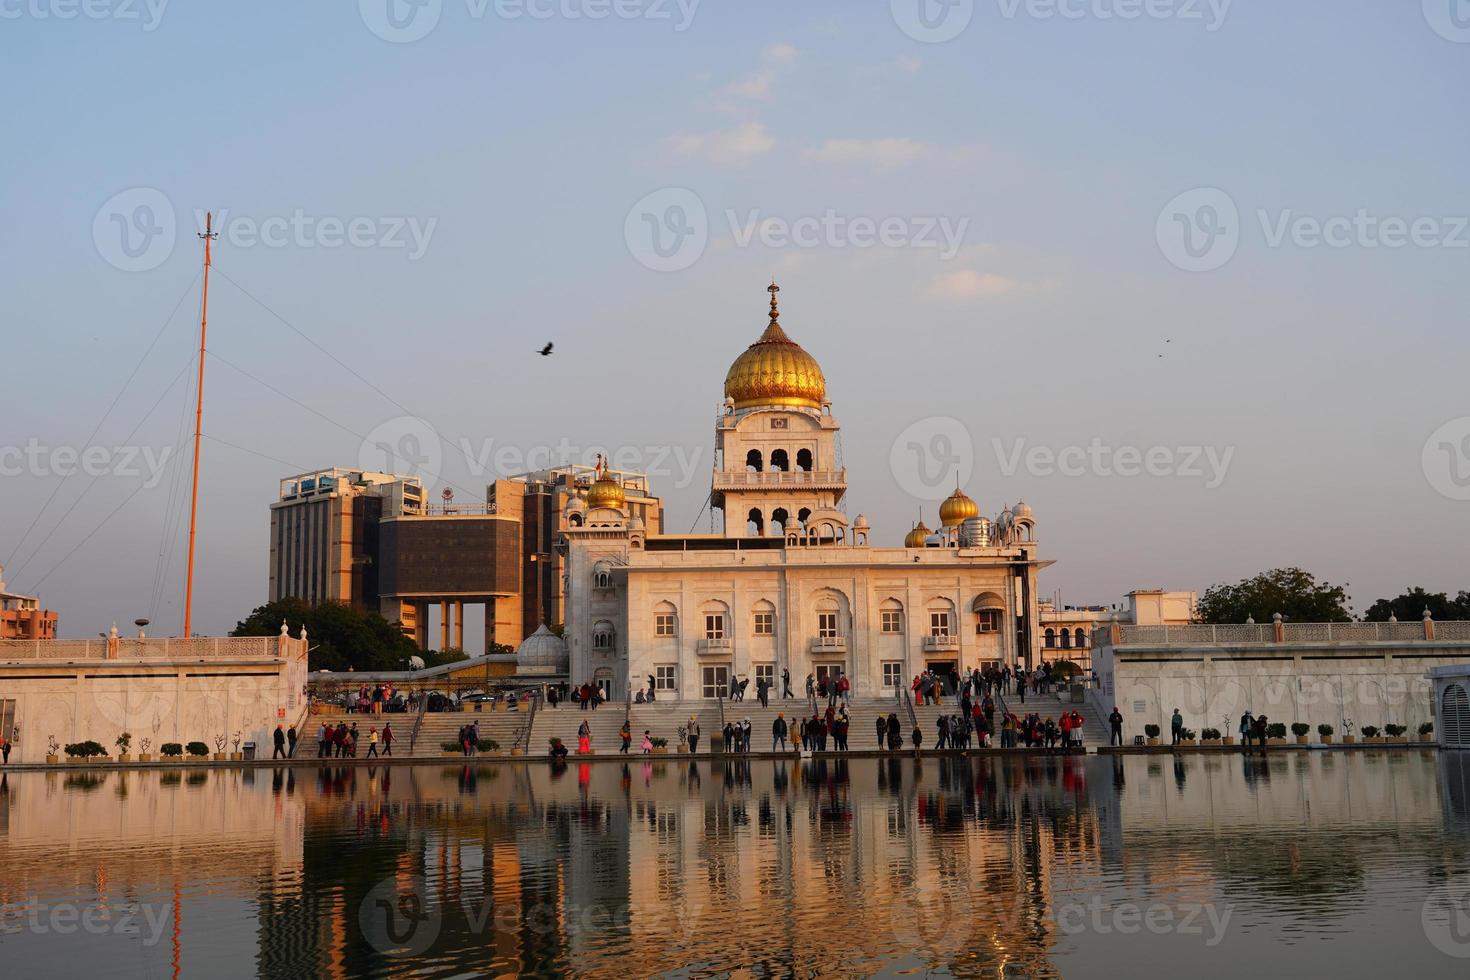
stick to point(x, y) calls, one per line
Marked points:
point(22, 618)
point(371, 540)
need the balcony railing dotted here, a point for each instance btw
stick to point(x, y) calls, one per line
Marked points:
point(781, 478)
point(941, 644)
point(829, 644)
point(711, 644)
point(160, 648)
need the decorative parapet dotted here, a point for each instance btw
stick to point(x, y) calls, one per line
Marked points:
point(1283, 632)
point(151, 648)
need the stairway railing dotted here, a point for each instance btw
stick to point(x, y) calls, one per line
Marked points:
point(418, 722)
point(530, 725)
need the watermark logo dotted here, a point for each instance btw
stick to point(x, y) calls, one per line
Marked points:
point(1446, 459)
point(122, 462)
point(668, 230)
point(1211, 13)
point(1208, 464)
point(401, 21)
point(1207, 921)
point(1446, 917)
point(933, 21)
point(135, 229)
point(398, 920)
point(149, 13)
point(145, 922)
point(406, 446)
point(1199, 231)
point(931, 457)
point(928, 921)
point(1450, 19)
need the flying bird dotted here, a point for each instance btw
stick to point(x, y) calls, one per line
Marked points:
point(546, 351)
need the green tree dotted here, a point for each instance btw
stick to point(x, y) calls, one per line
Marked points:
point(1296, 594)
point(438, 658)
point(1410, 606)
point(341, 637)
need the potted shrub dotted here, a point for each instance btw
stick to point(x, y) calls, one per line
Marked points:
point(1152, 731)
point(1348, 738)
point(1300, 729)
point(1371, 736)
point(660, 745)
point(144, 753)
point(454, 748)
point(1325, 731)
point(172, 751)
point(219, 748)
point(81, 752)
point(489, 745)
point(123, 743)
point(53, 750)
point(198, 751)
point(1210, 736)
point(236, 755)
point(1396, 734)
point(1276, 733)
point(1188, 738)
point(1426, 732)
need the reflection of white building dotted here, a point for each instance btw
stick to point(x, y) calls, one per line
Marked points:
point(790, 582)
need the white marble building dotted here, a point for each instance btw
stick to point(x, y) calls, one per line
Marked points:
point(791, 583)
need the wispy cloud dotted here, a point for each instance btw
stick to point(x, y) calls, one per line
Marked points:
point(732, 146)
point(963, 284)
point(880, 154)
point(760, 84)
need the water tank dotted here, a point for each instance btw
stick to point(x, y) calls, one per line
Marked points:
point(975, 533)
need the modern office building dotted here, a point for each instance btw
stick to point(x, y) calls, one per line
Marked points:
point(21, 616)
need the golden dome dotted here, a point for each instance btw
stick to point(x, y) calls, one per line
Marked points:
point(776, 371)
point(958, 509)
point(917, 536)
point(606, 492)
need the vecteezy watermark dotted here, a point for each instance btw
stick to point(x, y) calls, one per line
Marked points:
point(398, 919)
point(1201, 230)
point(124, 462)
point(131, 919)
point(931, 457)
point(406, 21)
point(937, 21)
point(1450, 19)
point(406, 446)
point(669, 230)
point(137, 230)
point(1206, 463)
point(1446, 459)
point(148, 13)
point(1446, 917)
point(1097, 917)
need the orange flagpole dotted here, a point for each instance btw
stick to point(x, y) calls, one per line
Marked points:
point(208, 236)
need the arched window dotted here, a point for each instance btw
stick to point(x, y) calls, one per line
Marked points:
point(753, 461)
point(602, 578)
point(603, 637)
point(755, 523)
point(764, 622)
point(804, 460)
point(1080, 638)
point(1066, 638)
point(779, 518)
point(828, 619)
point(779, 460)
point(890, 617)
point(665, 620)
point(941, 617)
point(1454, 716)
point(1050, 640)
point(575, 520)
point(804, 515)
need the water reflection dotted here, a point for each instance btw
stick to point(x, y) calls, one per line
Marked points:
point(1024, 867)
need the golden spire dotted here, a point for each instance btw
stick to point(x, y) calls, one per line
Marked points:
point(775, 370)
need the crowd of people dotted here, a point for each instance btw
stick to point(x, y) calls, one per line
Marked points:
point(341, 742)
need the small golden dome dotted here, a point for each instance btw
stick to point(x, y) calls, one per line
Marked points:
point(958, 509)
point(775, 370)
point(917, 536)
point(606, 492)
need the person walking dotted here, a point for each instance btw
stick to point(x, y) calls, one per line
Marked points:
point(778, 731)
point(323, 741)
point(763, 691)
point(626, 734)
point(692, 734)
point(1246, 730)
point(388, 738)
point(745, 735)
point(372, 752)
point(291, 737)
point(786, 683)
point(943, 740)
point(4, 751)
point(280, 740)
point(882, 731)
point(647, 742)
point(1115, 725)
point(1176, 727)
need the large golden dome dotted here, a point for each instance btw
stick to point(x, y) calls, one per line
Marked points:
point(606, 492)
point(957, 509)
point(917, 537)
point(775, 370)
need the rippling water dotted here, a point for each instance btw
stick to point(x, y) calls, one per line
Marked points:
point(1308, 865)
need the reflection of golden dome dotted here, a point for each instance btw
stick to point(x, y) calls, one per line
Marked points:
point(958, 509)
point(605, 492)
point(776, 371)
point(917, 536)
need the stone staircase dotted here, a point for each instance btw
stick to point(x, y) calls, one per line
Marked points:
point(501, 727)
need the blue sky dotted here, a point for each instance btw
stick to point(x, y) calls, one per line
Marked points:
point(1064, 147)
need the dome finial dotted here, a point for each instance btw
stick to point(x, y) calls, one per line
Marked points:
point(773, 289)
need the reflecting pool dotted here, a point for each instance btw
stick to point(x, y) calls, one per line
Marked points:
point(1321, 864)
